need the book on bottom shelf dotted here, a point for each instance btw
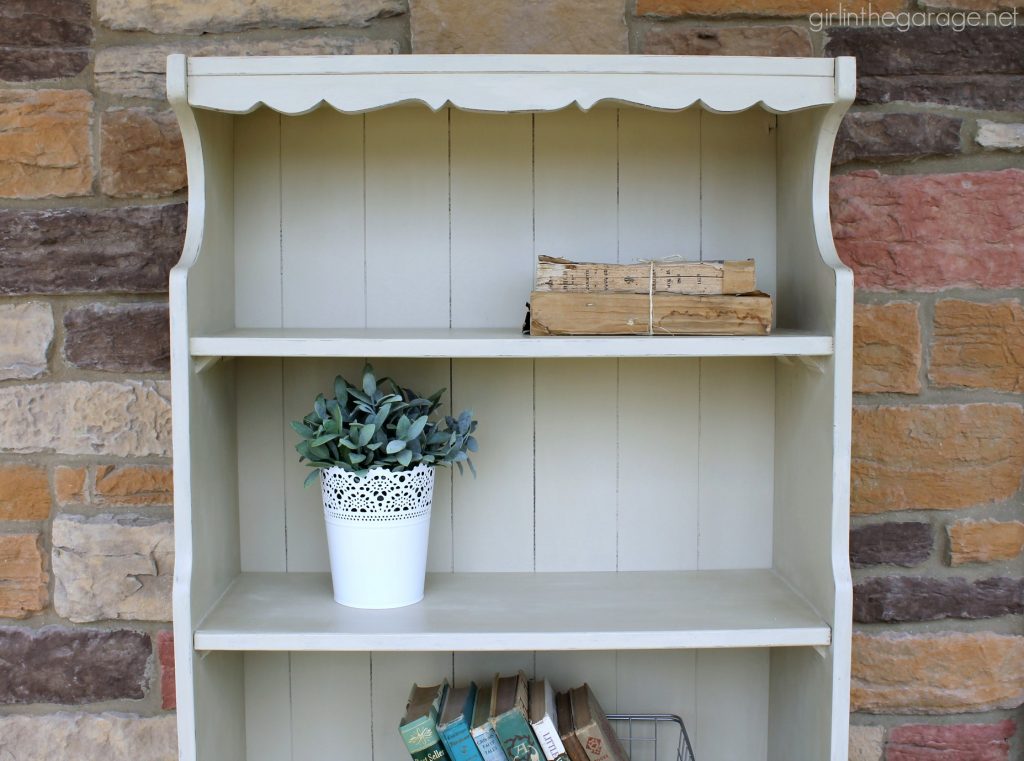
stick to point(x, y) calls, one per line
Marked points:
point(419, 725)
point(542, 719)
point(453, 725)
point(509, 717)
point(592, 727)
point(567, 729)
point(483, 733)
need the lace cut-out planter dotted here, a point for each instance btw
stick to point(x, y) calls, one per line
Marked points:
point(378, 527)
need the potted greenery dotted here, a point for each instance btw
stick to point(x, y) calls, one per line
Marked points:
point(375, 448)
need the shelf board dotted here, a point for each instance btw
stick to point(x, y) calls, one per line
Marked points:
point(495, 343)
point(520, 611)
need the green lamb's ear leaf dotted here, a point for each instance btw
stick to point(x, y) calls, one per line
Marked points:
point(472, 467)
point(402, 428)
point(416, 428)
point(404, 458)
point(369, 381)
point(471, 444)
point(320, 406)
point(396, 445)
point(303, 430)
point(313, 474)
point(366, 433)
point(321, 440)
point(341, 389)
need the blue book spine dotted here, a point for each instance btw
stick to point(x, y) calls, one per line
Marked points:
point(487, 743)
point(459, 742)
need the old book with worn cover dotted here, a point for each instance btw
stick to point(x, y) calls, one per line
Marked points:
point(660, 314)
point(453, 724)
point(419, 725)
point(542, 719)
point(708, 278)
point(482, 731)
point(595, 733)
point(567, 729)
point(509, 702)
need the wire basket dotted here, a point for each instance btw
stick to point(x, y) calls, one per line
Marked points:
point(653, 736)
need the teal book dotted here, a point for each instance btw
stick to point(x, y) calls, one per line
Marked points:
point(481, 729)
point(453, 725)
point(509, 717)
point(419, 725)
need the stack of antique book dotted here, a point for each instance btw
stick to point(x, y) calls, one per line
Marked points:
point(512, 719)
point(659, 298)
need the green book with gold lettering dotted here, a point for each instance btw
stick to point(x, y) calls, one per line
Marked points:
point(419, 725)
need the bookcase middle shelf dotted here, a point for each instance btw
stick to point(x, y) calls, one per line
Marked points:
point(520, 611)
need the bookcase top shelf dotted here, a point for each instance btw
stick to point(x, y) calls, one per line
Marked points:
point(494, 343)
point(520, 611)
point(510, 83)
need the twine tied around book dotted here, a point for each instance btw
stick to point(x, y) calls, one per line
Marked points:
point(650, 285)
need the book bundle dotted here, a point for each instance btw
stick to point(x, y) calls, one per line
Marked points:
point(651, 298)
point(512, 719)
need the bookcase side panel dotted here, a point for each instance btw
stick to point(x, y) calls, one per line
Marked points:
point(407, 222)
point(323, 264)
point(257, 213)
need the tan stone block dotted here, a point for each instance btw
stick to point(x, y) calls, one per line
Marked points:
point(24, 493)
point(45, 145)
point(668, 8)
point(978, 345)
point(866, 743)
point(141, 153)
point(90, 737)
point(112, 567)
point(26, 330)
point(204, 16)
point(886, 348)
point(23, 580)
point(945, 673)
point(996, 136)
point(728, 40)
point(133, 485)
point(139, 71)
point(508, 26)
point(69, 483)
point(984, 541)
point(132, 418)
point(935, 457)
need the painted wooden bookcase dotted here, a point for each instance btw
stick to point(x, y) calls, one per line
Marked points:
point(663, 517)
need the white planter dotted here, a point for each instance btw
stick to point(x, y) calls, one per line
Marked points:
point(378, 526)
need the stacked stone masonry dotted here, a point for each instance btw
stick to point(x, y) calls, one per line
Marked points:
point(927, 209)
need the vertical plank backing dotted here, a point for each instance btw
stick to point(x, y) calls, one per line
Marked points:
point(481, 667)
point(303, 379)
point(572, 668)
point(258, 220)
point(260, 465)
point(732, 705)
point(331, 707)
point(738, 190)
point(322, 256)
point(491, 218)
point(393, 676)
point(737, 438)
point(492, 514)
point(407, 245)
point(654, 681)
point(268, 707)
point(575, 466)
point(576, 185)
point(659, 184)
point(658, 494)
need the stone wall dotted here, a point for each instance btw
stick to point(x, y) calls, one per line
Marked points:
point(928, 208)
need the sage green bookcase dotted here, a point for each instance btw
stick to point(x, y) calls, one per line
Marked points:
point(663, 517)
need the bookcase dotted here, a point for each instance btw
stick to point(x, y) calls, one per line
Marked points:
point(664, 517)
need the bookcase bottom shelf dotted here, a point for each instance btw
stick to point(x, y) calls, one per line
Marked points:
point(520, 611)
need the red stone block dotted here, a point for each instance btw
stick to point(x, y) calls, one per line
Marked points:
point(930, 232)
point(962, 742)
point(165, 651)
